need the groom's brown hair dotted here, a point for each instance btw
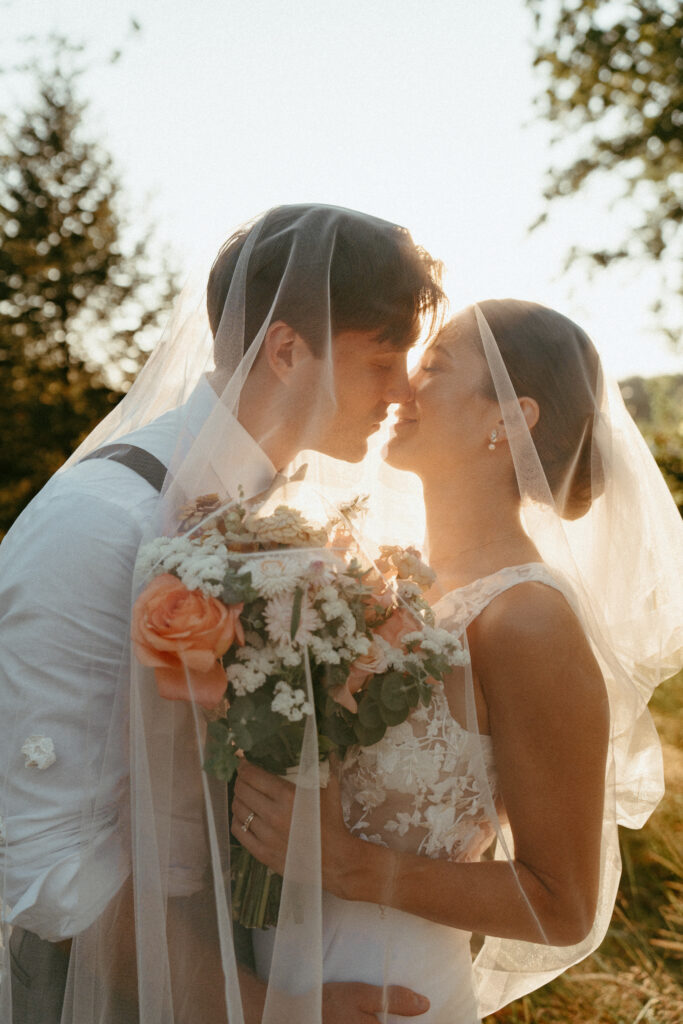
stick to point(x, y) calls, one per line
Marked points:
point(379, 280)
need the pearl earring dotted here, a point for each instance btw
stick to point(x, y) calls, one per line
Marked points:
point(492, 439)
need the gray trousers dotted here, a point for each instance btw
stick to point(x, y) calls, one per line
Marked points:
point(38, 971)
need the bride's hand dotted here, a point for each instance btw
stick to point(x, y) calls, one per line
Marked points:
point(265, 803)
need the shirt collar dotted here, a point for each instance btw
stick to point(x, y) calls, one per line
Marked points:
point(234, 459)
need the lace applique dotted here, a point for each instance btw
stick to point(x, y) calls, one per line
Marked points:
point(39, 752)
point(462, 606)
point(420, 788)
point(417, 789)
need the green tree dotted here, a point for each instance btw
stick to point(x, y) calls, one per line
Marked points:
point(613, 77)
point(656, 404)
point(77, 293)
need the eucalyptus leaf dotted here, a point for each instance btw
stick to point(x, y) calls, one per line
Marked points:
point(369, 713)
point(296, 611)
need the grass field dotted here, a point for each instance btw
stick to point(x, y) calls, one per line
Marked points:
point(636, 976)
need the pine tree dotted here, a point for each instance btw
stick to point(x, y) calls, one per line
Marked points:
point(76, 296)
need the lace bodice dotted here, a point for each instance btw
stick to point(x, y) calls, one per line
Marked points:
point(423, 787)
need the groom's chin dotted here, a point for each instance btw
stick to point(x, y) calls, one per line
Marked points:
point(344, 449)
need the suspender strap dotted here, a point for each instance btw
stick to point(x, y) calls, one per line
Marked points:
point(140, 461)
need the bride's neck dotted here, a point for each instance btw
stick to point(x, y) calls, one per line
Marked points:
point(473, 528)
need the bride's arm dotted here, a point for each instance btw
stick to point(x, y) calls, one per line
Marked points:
point(549, 723)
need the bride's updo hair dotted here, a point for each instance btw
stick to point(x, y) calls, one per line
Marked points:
point(552, 360)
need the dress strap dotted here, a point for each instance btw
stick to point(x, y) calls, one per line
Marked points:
point(462, 605)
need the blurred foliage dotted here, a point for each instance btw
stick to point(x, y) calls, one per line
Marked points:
point(636, 975)
point(613, 75)
point(77, 292)
point(656, 404)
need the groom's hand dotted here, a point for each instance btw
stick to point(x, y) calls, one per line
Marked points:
point(352, 1002)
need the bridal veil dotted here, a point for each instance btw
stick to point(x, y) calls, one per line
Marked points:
point(144, 852)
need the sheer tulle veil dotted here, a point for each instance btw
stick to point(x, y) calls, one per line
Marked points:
point(150, 947)
point(598, 513)
point(596, 507)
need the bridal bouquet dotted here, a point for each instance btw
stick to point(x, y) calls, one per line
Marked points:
point(267, 619)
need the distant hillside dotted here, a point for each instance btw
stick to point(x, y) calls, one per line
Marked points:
point(656, 404)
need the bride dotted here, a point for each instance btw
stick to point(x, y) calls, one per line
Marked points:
point(540, 499)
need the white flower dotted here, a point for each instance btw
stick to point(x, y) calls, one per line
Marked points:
point(335, 608)
point(323, 571)
point(384, 655)
point(285, 526)
point(278, 616)
point(274, 574)
point(324, 650)
point(292, 704)
point(204, 571)
point(288, 655)
point(3, 833)
point(408, 565)
point(199, 566)
point(39, 752)
point(245, 678)
point(407, 590)
point(434, 640)
point(357, 645)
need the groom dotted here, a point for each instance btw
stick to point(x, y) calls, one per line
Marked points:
point(66, 577)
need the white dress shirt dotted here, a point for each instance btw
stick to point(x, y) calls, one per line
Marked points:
point(66, 571)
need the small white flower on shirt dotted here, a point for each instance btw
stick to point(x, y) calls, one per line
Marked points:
point(39, 752)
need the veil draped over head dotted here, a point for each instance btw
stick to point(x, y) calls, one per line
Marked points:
point(598, 512)
point(113, 836)
point(114, 833)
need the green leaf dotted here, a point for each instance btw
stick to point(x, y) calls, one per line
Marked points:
point(369, 714)
point(340, 728)
point(296, 611)
point(393, 693)
point(221, 758)
point(366, 736)
point(393, 717)
point(238, 590)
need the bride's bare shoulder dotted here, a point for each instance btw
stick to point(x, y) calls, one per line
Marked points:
point(529, 639)
point(531, 609)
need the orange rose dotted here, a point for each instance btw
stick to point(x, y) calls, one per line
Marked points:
point(176, 630)
point(397, 625)
point(344, 694)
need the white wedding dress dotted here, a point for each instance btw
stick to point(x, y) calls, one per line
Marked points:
point(418, 791)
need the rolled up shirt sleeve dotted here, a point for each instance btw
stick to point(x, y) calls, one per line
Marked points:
point(66, 573)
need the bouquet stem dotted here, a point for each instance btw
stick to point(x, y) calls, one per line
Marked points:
point(256, 890)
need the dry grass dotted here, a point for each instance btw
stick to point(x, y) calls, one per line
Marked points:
point(636, 976)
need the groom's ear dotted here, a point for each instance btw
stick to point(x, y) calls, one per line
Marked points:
point(283, 350)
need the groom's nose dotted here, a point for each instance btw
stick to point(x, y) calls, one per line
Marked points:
point(398, 387)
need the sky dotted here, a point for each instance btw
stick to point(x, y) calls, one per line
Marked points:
point(418, 111)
